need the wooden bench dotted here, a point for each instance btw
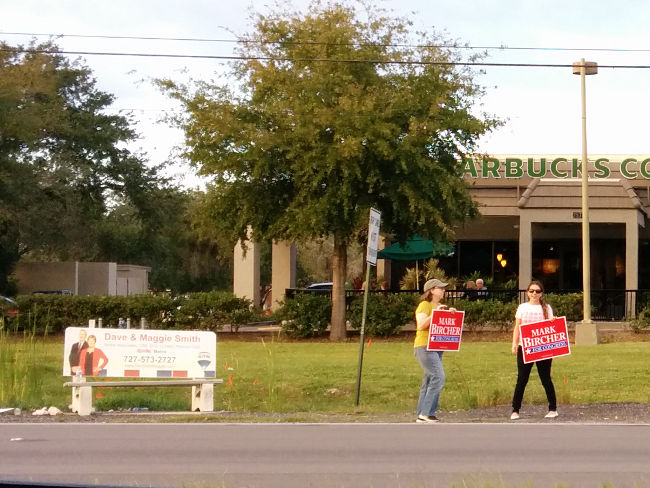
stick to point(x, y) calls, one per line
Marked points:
point(202, 391)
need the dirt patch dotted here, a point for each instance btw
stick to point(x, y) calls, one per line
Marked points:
point(633, 413)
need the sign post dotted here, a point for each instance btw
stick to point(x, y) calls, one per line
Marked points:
point(371, 260)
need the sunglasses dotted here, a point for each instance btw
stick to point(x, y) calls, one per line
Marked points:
point(533, 290)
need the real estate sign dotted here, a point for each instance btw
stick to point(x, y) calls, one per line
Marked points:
point(139, 353)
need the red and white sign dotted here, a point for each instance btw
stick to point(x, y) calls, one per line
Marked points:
point(544, 340)
point(149, 353)
point(445, 330)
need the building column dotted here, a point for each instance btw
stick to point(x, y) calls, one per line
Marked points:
point(246, 271)
point(631, 262)
point(383, 265)
point(525, 250)
point(283, 270)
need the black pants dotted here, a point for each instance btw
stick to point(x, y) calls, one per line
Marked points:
point(523, 373)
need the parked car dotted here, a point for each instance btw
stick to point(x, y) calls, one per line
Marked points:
point(8, 308)
point(323, 288)
point(326, 285)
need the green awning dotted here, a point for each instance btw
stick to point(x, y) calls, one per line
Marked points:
point(416, 248)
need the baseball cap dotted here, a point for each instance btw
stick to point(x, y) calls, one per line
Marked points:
point(434, 283)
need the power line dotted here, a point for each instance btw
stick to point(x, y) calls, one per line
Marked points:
point(314, 43)
point(320, 60)
point(138, 38)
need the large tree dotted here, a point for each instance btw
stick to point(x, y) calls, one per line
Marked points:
point(182, 257)
point(328, 114)
point(66, 176)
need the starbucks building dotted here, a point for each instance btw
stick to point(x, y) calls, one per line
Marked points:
point(530, 227)
point(530, 224)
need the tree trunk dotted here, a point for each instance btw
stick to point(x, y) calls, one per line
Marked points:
point(339, 265)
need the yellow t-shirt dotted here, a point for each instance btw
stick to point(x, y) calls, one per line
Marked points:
point(422, 336)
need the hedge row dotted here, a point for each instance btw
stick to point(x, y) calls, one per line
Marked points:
point(210, 310)
point(309, 315)
point(302, 316)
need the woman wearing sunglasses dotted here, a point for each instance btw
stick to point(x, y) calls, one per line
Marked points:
point(535, 310)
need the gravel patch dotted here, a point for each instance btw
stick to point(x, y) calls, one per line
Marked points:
point(623, 413)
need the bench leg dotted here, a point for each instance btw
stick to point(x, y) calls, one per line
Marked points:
point(82, 400)
point(203, 398)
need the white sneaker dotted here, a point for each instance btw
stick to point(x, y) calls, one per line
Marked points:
point(514, 416)
point(551, 414)
point(427, 419)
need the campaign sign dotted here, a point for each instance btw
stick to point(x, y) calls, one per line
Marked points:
point(545, 339)
point(445, 330)
point(139, 353)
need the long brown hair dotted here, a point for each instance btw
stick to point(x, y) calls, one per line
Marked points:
point(426, 296)
point(542, 300)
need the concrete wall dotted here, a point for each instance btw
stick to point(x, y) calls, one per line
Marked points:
point(83, 278)
point(246, 272)
point(33, 277)
point(97, 278)
point(132, 279)
point(283, 271)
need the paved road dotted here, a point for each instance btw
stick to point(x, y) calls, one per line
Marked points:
point(328, 455)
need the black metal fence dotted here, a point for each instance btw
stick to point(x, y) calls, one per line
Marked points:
point(607, 304)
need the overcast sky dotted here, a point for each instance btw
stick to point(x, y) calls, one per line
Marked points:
point(541, 105)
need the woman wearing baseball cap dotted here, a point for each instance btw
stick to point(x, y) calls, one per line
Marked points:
point(431, 361)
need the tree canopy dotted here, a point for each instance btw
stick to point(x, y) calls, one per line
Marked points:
point(71, 190)
point(327, 114)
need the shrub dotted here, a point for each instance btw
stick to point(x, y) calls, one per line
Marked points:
point(430, 270)
point(386, 313)
point(305, 315)
point(642, 322)
point(211, 310)
point(568, 305)
point(487, 313)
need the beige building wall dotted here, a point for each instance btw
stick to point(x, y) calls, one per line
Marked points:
point(82, 278)
point(132, 279)
point(97, 279)
point(33, 277)
point(283, 271)
point(383, 265)
point(246, 271)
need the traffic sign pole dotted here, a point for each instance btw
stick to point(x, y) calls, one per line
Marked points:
point(371, 260)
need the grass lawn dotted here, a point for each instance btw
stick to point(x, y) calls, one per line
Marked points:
point(320, 377)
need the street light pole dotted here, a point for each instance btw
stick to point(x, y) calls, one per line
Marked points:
point(586, 332)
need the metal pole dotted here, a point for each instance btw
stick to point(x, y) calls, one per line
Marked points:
point(363, 333)
point(586, 248)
